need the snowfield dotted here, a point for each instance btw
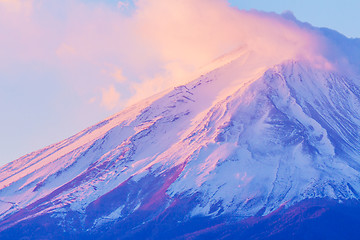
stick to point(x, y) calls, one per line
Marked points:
point(245, 139)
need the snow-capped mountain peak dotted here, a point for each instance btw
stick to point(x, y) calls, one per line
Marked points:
point(250, 136)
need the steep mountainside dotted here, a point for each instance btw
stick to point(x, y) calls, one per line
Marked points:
point(239, 144)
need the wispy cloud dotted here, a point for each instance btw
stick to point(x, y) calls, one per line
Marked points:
point(73, 62)
point(160, 44)
point(110, 97)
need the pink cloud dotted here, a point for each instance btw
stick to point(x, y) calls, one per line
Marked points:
point(17, 6)
point(163, 43)
point(123, 4)
point(118, 75)
point(187, 35)
point(110, 98)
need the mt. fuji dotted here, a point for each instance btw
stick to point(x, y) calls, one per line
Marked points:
point(252, 149)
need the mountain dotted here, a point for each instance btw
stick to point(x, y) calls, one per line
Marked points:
point(249, 150)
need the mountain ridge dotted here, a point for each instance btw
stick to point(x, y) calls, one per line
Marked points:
point(242, 140)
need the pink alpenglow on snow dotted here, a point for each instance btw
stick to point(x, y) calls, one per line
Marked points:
point(239, 124)
point(92, 59)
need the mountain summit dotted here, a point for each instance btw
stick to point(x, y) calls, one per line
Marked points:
point(251, 149)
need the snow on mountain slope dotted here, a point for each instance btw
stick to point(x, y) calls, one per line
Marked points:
point(243, 139)
point(51, 167)
point(283, 131)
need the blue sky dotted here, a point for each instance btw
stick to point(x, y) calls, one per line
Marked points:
point(46, 98)
point(342, 16)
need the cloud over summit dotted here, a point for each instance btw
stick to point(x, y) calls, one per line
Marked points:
point(157, 44)
point(68, 64)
